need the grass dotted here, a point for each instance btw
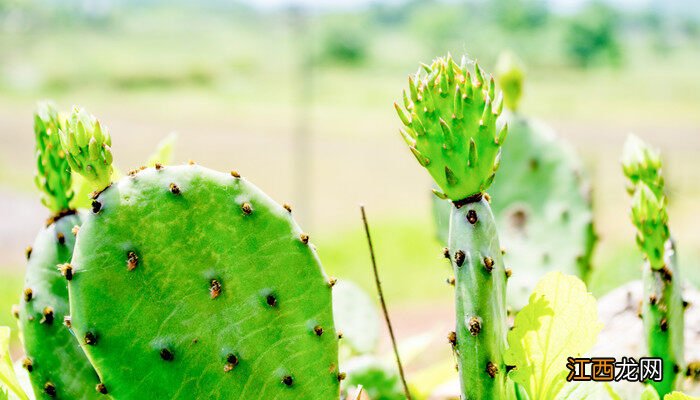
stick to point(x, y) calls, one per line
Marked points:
point(10, 290)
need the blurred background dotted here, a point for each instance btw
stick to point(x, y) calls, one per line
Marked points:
point(297, 96)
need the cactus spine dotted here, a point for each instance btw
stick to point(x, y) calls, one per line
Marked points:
point(191, 283)
point(662, 306)
point(450, 127)
point(56, 364)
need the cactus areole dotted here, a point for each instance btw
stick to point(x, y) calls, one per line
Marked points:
point(449, 119)
point(192, 283)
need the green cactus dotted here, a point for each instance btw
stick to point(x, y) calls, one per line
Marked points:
point(450, 127)
point(543, 211)
point(662, 306)
point(191, 283)
point(56, 364)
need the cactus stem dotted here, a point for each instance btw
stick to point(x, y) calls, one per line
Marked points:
point(166, 354)
point(90, 338)
point(174, 189)
point(459, 258)
point(66, 270)
point(28, 294)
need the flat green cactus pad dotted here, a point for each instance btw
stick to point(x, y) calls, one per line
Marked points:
point(190, 283)
point(542, 211)
point(57, 366)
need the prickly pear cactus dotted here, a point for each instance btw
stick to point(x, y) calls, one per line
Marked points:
point(191, 283)
point(450, 127)
point(662, 306)
point(543, 211)
point(55, 362)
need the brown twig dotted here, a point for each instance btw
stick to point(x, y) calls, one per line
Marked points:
point(383, 303)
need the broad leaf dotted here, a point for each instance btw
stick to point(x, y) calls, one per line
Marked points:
point(9, 386)
point(679, 396)
point(560, 321)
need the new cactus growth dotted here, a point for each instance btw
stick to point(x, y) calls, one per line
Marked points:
point(191, 283)
point(56, 364)
point(450, 126)
point(543, 211)
point(662, 307)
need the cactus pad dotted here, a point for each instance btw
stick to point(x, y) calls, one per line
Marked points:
point(450, 126)
point(190, 283)
point(56, 364)
point(543, 212)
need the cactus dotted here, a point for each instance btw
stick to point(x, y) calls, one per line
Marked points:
point(662, 306)
point(56, 364)
point(450, 127)
point(543, 211)
point(191, 283)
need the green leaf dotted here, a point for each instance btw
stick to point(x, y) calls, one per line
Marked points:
point(560, 321)
point(164, 151)
point(679, 396)
point(8, 381)
point(589, 391)
point(649, 393)
point(356, 316)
